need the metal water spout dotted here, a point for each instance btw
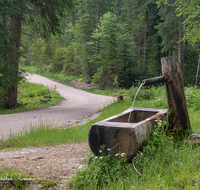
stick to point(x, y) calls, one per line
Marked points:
point(155, 80)
point(171, 76)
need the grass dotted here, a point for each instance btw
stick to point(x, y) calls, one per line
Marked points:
point(163, 162)
point(13, 179)
point(33, 96)
point(60, 77)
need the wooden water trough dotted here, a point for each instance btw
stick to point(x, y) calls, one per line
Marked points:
point(119, 135)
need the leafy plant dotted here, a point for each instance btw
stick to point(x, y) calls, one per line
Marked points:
point(104, 169)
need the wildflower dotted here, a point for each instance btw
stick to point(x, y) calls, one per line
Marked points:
point(96, 157)
point(100, 157)
point(123, 154)
point(116, 154)
point(100, 151)
point(108, 149)
point(159, 123)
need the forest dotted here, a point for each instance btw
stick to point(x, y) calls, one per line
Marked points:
point(110, 43)
point(113, 43)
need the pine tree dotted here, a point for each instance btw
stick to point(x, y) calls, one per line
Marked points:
point(107, 34)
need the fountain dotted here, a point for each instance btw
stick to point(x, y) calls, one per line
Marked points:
point(126, 132)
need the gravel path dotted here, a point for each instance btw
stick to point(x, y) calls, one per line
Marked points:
point(56, 162)
point(76, 106)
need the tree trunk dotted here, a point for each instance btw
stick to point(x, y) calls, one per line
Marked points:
point(139, 50)
point(145, 50)
point(73, 17)
point(10, 93)
point(73, 21)
point(63, 25)
point(5, 42)
point(180, 44)
point(63, 28)
point(30, 51)
point(197, 76)
point(178, 113)
point(97, 27)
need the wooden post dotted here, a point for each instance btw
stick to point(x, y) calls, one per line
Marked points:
point(178, 113)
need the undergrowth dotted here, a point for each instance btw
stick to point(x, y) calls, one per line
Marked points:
point(102, 171)
point(32, 96)
point(162, 162)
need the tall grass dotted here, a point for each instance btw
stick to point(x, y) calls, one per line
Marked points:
point(32, 96)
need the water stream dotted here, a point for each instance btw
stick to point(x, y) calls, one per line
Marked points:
point(134, 100)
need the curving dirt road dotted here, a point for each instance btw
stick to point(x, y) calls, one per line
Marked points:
point(76, 106)
point(56, 162)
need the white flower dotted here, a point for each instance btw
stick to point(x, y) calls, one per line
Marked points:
point(123, 154)
point(96, 157)
point(158, 121)
point(108, 149)
point(116, 154)
point(100, 157)
point(81, 166)
point(100, 151)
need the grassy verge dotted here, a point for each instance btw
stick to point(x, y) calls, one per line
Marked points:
point(60, 77)
point(33, 96)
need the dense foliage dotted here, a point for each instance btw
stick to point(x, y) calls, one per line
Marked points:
point(113, 43)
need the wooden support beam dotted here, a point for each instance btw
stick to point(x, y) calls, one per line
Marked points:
point(178, 112)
